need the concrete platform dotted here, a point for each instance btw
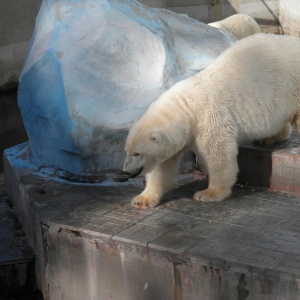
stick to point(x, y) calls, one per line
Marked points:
point(91, 244)
point(275, 166)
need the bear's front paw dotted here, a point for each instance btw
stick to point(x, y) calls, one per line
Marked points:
point(143, 201)
point(212, 195)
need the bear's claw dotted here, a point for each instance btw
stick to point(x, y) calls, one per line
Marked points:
point(142, 202)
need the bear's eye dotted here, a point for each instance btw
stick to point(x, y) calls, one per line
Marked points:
point(136, 154)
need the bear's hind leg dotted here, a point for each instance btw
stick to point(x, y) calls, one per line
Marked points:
point(222, 176)
point(158, 181)
point(282, 135)
point(296, 121)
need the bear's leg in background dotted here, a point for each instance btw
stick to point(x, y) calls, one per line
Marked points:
point(158, 181)
point(222, 171)
point(282, 135)
point(296, 121)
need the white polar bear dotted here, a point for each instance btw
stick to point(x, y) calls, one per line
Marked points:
point(239, 25)
point(251, 91)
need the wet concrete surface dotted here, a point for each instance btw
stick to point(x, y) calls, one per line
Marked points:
point(12, 130)
point(246, 247)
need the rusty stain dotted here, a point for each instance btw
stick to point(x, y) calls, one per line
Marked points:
point(264, 286)
point(177, 278)
point(297, 280)
point(187, 282)
point(45, 243)
point(97, 245)
point(217, 10)
point(242, 292)
point(219, 273)
point(47, 292)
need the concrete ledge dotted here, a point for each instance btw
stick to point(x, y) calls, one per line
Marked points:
point(275, 166)
point(92, 244)
point(286, 170)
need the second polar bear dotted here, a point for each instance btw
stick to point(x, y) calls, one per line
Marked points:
point(239, 25)
point(251, 91)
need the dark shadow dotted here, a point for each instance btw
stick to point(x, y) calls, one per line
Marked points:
point(276, 19)
point(12, 130)
point(185, 191)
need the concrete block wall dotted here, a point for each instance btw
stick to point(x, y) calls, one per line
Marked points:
point(286, 170)
point(289, 17)
point(17, 19)
point(265, 12)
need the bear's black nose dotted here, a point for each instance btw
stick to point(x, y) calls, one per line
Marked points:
point(136, 173)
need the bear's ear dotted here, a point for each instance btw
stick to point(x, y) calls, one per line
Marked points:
point(157, 137)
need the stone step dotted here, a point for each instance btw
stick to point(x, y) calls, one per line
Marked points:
point(275, 166)
point(17, 274)
point(286, 170)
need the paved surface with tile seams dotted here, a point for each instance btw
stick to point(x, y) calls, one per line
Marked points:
point(255, 227)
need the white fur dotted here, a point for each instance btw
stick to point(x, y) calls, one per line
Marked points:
point(251, 91)
point(239, 25)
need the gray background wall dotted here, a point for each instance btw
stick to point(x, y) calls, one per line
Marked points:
point(264, 11)
point(17, 18)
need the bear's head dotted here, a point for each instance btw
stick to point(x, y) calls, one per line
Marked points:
point(145, 149)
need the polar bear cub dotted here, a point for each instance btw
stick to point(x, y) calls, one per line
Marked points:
point(239, 25)
point(251, 91)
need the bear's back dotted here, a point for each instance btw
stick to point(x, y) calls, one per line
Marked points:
point(256, 82)
point(258, 64)
point(260, 51)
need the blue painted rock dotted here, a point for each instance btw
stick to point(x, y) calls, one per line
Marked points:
point(93, 67)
